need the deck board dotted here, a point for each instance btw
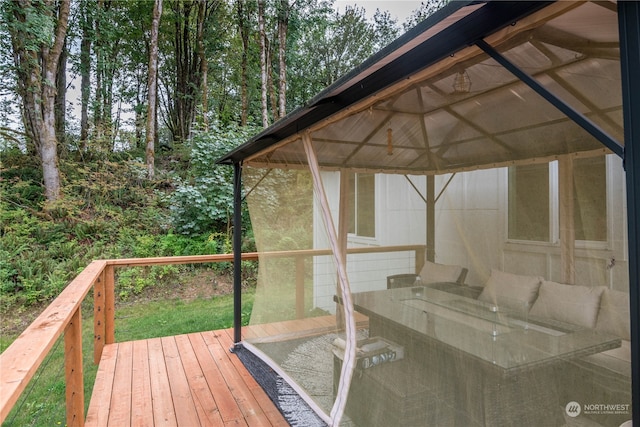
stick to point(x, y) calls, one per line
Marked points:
point(162, 402)
point(120, 413)
point(187, 380)
point(141, 398)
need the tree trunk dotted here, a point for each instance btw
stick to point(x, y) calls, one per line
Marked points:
point(61, 96)
point(35, 68)
point(243, 26)
point(203, 62)
point(263, 65)
point(85, 72)
point(188, 70)
point(140, 119)
point(283, 24)
point(272, 95)
point(97, 105)
point(152, 89)
point(107, 49)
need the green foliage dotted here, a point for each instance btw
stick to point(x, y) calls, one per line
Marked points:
point(109, 211)
point(204, 201)
point(132, 281)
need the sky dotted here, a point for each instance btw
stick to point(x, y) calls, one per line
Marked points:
point(399, 9)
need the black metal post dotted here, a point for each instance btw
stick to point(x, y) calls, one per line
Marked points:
point(237, 254)
point(629, 28)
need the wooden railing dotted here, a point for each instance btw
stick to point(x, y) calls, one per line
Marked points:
point(19, 362)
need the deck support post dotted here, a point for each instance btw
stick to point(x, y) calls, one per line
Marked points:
point(237, 254)
point(431, 221)
point(109, 304)
point(99, 320)
point(74, 383)
point(629, 33)
point(567, 220)
point(300, 273)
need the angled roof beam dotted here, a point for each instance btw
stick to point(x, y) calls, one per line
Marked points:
point(368, 137)
point(564, 40)
point(576, 116)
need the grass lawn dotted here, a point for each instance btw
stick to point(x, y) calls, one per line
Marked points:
point(43, 402)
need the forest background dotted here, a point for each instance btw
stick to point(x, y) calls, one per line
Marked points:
point(113, 112)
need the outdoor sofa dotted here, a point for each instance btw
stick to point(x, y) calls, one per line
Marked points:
point(594, 381)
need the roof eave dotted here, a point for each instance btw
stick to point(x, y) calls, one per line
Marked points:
point(486, 20)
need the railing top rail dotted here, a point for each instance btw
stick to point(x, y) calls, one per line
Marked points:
point(22, 358)
point(187, 259)
point(250, 256)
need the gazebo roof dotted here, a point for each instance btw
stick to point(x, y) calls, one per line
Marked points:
point(439, 99)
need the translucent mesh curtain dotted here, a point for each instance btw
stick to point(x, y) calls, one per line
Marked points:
point(520, 314)
point(512, 344)
point(293, 324)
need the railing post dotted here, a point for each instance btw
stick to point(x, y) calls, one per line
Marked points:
point(109, 305)
point(420, 258)
point(300, 287)
point(98, 317)
point(73, 371)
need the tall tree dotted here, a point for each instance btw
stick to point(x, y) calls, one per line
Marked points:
point(331, 45)
point(86, 29)
point(243, 19)
point(184, 91)
point(61, 95)
point(262, 37)
point(38, 30)
point(283, 25)
point(110, 35)
point(385, 28)
point(425, 10)
point(152, 88)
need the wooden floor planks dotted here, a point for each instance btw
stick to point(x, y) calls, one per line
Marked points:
point(187, 381)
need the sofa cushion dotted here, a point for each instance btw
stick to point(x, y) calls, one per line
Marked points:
point(513, 290)
point(613, 316)
point(574, 304)
point(436, 273)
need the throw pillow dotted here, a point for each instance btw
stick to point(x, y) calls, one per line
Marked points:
point(512, 290)
point(614, 314)
point(574, 304)
point(437, 273)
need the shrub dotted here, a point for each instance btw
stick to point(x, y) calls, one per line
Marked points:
point(204, 201)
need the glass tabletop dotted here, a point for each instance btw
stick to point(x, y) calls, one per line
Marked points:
point(503, 334)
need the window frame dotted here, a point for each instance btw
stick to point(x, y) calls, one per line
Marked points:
point(554, 210)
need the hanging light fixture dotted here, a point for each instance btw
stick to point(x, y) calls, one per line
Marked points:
point(389, 141)
point(461, 82)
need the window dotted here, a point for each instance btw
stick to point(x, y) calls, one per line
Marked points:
point(533, 211)
point(529, 203)
point(590, 202)
point(362, 205)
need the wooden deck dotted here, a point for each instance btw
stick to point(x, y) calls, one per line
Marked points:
point(186, 380)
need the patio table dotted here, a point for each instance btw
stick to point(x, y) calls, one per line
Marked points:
point(498, 365)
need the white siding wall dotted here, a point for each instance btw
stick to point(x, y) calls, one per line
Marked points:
point(471, 230)
point(400, 220)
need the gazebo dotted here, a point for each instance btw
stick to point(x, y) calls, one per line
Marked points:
point(464, 204)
